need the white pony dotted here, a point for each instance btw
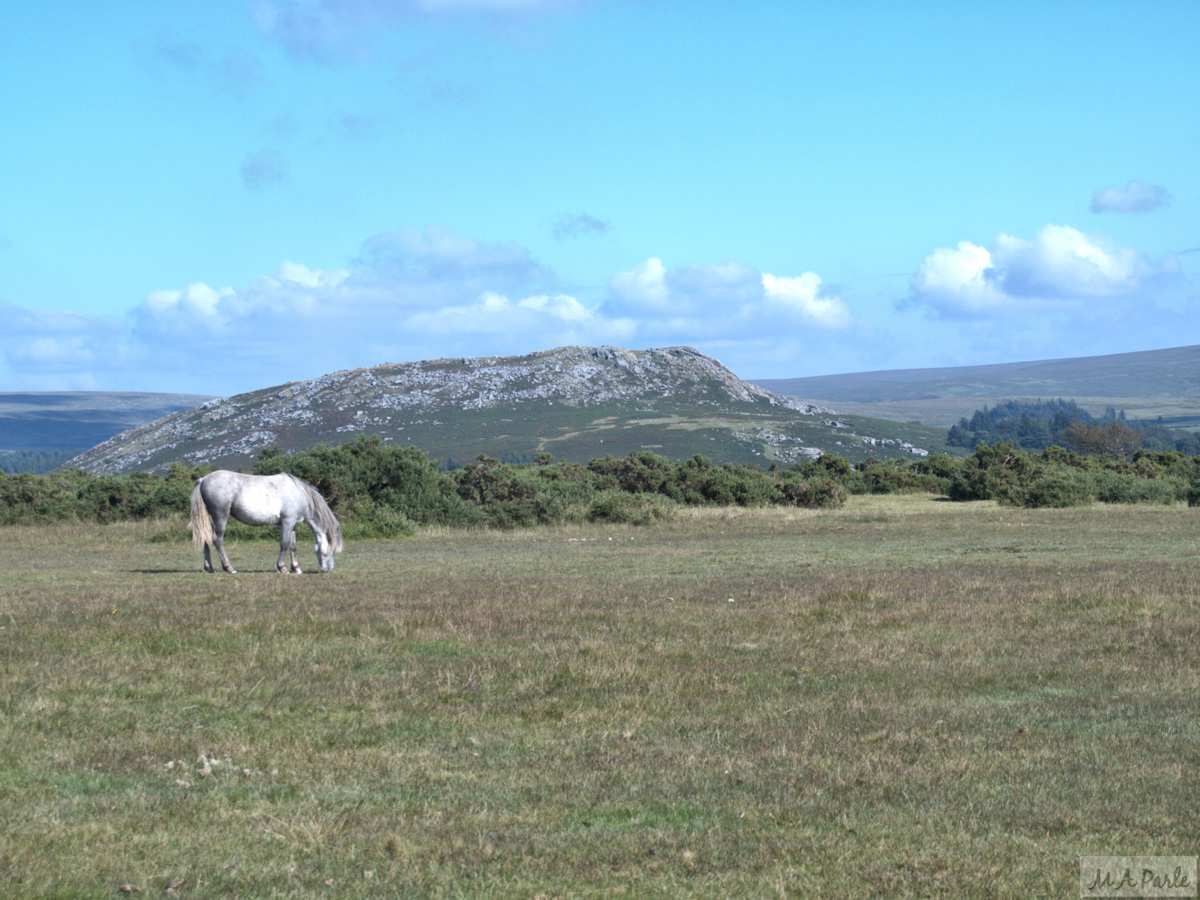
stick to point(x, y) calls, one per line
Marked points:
point(282, 500)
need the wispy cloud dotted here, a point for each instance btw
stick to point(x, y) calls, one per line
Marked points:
point(59, 350)
point(1136, 197)
point(263, 168)
point(577, 225)
point(335, 30)
point(236, 70)
point(354, 126)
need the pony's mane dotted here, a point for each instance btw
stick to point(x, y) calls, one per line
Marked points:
point(329, 522)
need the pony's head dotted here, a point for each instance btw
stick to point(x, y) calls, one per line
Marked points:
point(325, 550)
point(329, 531)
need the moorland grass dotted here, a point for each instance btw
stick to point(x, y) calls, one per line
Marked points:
point(901, 697)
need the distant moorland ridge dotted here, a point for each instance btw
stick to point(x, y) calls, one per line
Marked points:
point(76, 420)
point(1146, 384)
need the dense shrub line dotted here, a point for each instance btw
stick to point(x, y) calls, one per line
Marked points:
point(1058, 478)
point(380, 490)
point(72, 494)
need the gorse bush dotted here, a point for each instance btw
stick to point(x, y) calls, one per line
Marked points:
point(1059, 478)
point(72, 494)
point(896, 476)
point(631, 509)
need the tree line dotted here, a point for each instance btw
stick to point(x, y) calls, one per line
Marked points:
point(1036, 425)
point(36, 461)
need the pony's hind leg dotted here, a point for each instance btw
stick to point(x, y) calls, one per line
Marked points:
point(287, 550)
point(225, 563)
point(207, 558)
point(219, 524)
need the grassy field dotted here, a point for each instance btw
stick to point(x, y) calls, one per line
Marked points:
point(903, 697)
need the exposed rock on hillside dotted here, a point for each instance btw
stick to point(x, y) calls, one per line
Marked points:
point(429, 402)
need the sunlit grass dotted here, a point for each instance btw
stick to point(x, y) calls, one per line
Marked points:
point(903, 697)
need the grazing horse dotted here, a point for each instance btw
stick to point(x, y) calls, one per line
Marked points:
point(282, 500)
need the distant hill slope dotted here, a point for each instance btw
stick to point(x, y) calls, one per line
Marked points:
point(76, 420)
point(1146, 384)
point(576, 403)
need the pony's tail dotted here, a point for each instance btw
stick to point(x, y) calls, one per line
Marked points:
point(200, 522)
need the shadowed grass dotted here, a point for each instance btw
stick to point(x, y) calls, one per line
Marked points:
point(903, 697)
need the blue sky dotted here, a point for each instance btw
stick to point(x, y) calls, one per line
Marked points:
point(216, 197)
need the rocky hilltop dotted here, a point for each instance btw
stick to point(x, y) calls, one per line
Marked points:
point(566, 401)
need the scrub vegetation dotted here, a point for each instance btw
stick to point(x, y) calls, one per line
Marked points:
point(379, 490)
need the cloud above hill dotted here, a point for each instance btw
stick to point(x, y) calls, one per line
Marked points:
point(413, 289)
point(727, 299)
point(416, 293)
point(408, 294)
point(1060, 267)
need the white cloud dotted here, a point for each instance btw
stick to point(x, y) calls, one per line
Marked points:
point(1061, 262)
point(805, 297)
point(642, 288)
point(298, 273)
point(728, 299)
point(957, 280)
point(1136, 197)
point(53, 352)
point(562, 307)
point(557, 319)
point(715, 291)
point(196, 304)
point(1060, 267)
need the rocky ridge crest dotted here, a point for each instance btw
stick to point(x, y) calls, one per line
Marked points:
point(386, 399)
